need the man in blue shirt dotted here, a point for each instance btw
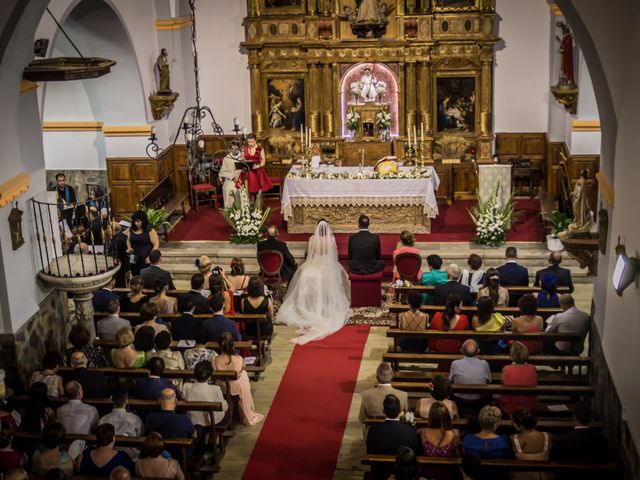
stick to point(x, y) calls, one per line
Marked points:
point(150, 388)
point(217, 324)
point(167, 422)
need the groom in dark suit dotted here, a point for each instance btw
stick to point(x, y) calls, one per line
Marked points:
point(364, 250)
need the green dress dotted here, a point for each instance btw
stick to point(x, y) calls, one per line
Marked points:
point(433, 278)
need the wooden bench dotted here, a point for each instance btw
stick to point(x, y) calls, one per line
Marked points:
point(545, 377)
point(175, 344)
point(429, 289)
point(574, 391)
point(165, 195)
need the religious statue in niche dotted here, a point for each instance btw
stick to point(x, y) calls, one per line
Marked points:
point(15, 227)
point(162, 63)
point(456, 104)
point(566, 91)
point(286, 103)
point(162, 101)
point(368, 88)
point(368, 19)
point(582, 211)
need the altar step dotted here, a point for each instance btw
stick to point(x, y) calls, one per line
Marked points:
point(179, 257)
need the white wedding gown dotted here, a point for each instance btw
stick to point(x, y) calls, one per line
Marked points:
point(319, 295)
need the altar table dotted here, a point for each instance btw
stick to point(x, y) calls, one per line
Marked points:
point(392, 205)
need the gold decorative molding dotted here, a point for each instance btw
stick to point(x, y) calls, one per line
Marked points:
point(606, 189)
point(72, 126)
point(586, 126)
point(173, 23)
point(13, 188)
point(555, 9)
point(126, 130)
point(27, 86)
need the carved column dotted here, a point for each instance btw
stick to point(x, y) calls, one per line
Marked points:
point(424, 103)
point(402, 104)
point(485, 102)
point(256, 98)
point(337, 115)
point(327, 94)
point(410, 95)
point(314, 102)
point(311, 7)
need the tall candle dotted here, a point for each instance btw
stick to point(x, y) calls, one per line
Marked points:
point(409, 136)
point(421, 133)
point(301, 135)
point(415, 137)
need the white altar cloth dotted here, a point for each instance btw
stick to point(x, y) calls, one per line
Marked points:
point(360, 191)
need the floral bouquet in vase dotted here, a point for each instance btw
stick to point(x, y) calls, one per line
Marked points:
point(383, 122)
point(492, 220)
point(245, 217)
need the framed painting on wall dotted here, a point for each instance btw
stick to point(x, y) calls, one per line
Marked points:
point(456, 104)
point(285, 103)
point(271, 7)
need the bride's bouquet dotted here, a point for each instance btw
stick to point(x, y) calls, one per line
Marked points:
point(245, 217)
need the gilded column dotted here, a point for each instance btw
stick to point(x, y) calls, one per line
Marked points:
point(486, 120)
point(256, 100)
point(311, 6)
point(335, 85)
point(402, 108)
point(327, 96)
point(410, 95)
point(315, 89)
point(424, 104)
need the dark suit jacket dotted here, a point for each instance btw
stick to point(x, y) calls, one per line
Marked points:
point(289, 266)
point(152, 273)
point(513, 275)
point(441, 292)
point(185, 327)
point(201, 302)
point(581, 445)
point(385, 438)
point(364, 253)
point(101, 298)
point(217, 324)
point(94, 384)
point(563, 276)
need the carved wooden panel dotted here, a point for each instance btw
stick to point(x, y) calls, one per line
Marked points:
point(146, 170)
point(445, 189)
point(373, 151)
point(119, 172)
point(465, 181)
point(141, 189)
point(122, 197)
point(578, 163)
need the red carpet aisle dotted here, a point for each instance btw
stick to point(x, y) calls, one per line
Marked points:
point(303, 431)
point(452, 224)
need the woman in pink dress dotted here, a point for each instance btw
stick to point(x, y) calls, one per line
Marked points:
point(408, 246)
point(257, 178)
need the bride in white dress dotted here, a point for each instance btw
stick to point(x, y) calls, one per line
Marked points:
point(317, 301)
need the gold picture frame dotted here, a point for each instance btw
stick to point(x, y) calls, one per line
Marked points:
point(457, 85)
point(283, 7)
point(455, 5)
point(287, 89)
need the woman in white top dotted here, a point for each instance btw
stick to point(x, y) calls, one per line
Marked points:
point(473, 277)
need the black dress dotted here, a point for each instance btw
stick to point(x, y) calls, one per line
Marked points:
point(266, 329)
point(142, 246)
point(126, 305)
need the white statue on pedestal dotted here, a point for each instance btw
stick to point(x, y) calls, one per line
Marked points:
point(368, 83)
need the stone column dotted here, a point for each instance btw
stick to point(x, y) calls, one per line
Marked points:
point(84, 311)
point(410, 96)
point(257, 124)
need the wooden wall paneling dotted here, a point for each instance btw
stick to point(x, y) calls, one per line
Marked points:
point(119, 172)
point(577, 163)
point(507, 145)
point(146, 171)
point(445, 189)
point(533, 145)
point(373, 151)
point(465, 181)
point(123, 199)
point(180, 169)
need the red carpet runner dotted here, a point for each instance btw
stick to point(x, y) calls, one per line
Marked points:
point(303, 431)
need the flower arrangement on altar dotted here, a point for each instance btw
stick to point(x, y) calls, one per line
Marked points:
point(351, 122)
point(492, 220)
point(365, 174)
point(383, 120)
point(452, 146)
point(245, 217)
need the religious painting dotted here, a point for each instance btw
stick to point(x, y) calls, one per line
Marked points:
point(454, 4)
point(456, 104)
point(286, 103)
point(284, 6)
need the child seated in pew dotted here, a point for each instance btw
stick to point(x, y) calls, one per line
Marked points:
point(413, 319)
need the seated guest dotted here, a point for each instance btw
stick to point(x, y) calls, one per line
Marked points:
point(124, 423)
point(408, 241)
point(406, 466)
point(217, 324)
point(51, 456)
point(152, 464)
point(584, 444)
point(228, 360)
point(184, 327)
point(452, 287)
point(172, 358)
point(439, 439)
point(51, 361)
point(94, 383)
point(9, 458)
point(203, 391)
point(548, 294)
point(155, 272)
point(150, 388)
point(77, 416)
point(440, 393)
point(102, 296)
point(145, 340)
point(492, 288)
point(413, 319)
point(518, 374)
point(435, 276)
point(125, 355)
point(99, 461)
point(108, 326)
point(512, 274)
point(364, 250)
point(571, 320)
point(80, 338)
point(237, 278)
point(16, 474)
point(6, 414)
point(218, 285)
point(272, 243)
point(196, 354)
point(473, 277)
point(385, 438)
point(149, 318)
point(36, 414)
point(486, 320)
point(372, 398)
point(529, 444)
point(486, 444)
point(256, 302)
point(200, 302)
point(167, 422)
point(135, 298)
point(470, 370)
point(528, 321)
point(563, 275)
point(205, 268)
point(447, 320)
point(164, 302)
point(120, 473)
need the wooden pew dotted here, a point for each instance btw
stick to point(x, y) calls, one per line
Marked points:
point(545, 377)
point(429, 288)
point(580, 391)
point(174, 344)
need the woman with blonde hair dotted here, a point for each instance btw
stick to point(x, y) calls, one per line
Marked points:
point(486, 444)
point(204, 267)
point(125, 355)
point(519, 374)
point(135, 298)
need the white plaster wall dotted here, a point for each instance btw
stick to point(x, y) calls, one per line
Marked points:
point(585, 143)
point(74, 150)
point(560, 121)
point(521, 87)
point(587, 104)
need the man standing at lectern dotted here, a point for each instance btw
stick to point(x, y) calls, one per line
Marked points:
point(364, 250)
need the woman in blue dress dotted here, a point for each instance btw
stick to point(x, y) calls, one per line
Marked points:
point(101, 460)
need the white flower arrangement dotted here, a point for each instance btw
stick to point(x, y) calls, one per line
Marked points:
point(408, 418)
point(381, 88)
point(383, 120)
point(246, 218)
point(355, 89)
point(491, 220)
point(352, 120)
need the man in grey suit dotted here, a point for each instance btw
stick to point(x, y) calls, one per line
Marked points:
point(109, 325)
point(373, 398)
point(154, 272)
point(571, 320)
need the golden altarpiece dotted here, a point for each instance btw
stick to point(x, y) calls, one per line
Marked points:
point(427, 64)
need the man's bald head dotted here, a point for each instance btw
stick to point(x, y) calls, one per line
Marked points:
point(470, 348)
point(566, 301)
point(120, 473)
point(78, 360)
point(167, 399)
point(73, 390)
point(272, 231)
point(555, 258)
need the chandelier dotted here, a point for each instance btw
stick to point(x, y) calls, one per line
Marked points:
point(192, 118)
